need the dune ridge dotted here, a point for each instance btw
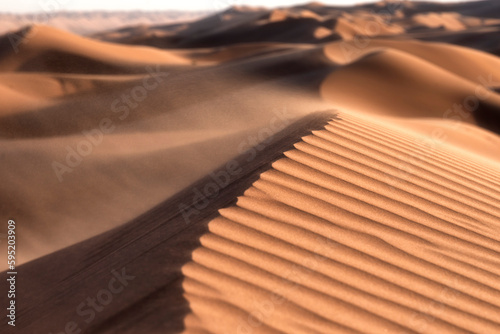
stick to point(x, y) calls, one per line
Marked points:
point(160, 237)
point(193, 160)
point(330, 235)
point(301, 245)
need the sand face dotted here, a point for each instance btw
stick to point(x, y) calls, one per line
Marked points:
point(304, 240)
point(300, 170)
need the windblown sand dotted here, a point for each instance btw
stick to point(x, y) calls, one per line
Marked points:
point(310, 169)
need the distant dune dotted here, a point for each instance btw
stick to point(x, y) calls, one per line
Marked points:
point(309, 169)
point(85, 23)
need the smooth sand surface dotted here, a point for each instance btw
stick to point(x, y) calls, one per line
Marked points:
point(310, 169)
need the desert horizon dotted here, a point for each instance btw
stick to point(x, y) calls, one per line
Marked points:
point(250, 167)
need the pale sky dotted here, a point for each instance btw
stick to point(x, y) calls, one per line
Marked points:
point(23, 6)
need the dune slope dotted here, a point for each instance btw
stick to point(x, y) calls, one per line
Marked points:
point(152, 248)
point(357, 228)
point(181, 178)
point(337, 237)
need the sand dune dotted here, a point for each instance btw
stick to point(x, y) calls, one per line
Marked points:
point(45, 49)
point(305, 238)
point(335, 236)
point(441, 88)
point(308, 169)
point(175, 127)
point(451, 23)
point(85, 23)
point(430, 97)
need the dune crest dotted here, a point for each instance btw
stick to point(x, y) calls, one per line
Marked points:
point(45, 49)
point(305, 169)
point(355, 228)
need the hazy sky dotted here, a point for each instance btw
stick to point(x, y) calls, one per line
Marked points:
point(212, 5)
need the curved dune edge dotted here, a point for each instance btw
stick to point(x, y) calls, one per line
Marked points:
point(152, 248)
point(45, 49)
point(384, 220)
point(436, 83)
point(349, 227)
point(354, 231)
